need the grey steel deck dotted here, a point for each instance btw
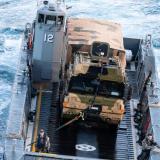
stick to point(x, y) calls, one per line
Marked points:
point(155, 120)
point(110, 143)
point(17, 121)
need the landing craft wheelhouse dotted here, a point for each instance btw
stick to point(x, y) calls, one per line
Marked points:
point(49, 44)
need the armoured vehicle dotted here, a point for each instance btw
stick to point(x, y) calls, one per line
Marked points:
point(82, 65)
point(97, 64)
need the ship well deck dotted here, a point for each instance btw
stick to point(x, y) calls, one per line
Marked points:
point(80, 140)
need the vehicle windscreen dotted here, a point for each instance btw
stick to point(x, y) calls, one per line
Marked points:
point(83, 85)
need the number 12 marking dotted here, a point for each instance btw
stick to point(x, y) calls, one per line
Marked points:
point(48, 38)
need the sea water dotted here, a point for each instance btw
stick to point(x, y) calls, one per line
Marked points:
point(138, 18)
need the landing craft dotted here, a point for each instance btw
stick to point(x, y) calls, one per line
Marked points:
point(80, 69)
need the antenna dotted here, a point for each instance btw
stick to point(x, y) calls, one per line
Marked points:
point(45, 2)
point(39, 2)
point(60, 1)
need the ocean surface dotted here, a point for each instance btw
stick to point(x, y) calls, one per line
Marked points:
point(138, 18)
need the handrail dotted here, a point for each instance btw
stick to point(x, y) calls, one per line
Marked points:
point(58, 156)
point(139, 48)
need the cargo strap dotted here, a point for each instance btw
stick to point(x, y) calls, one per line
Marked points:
point(96, 92)
point(81, 115)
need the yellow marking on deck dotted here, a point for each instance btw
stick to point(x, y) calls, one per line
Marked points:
point(48, 154)
point(38, 108)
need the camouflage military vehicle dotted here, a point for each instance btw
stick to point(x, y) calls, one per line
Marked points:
point(96, 60)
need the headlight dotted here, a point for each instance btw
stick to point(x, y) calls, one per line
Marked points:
point(118, 106)
point(105, 109)
point(66, 101)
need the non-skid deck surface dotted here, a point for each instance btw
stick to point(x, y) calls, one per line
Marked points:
point(83, 141)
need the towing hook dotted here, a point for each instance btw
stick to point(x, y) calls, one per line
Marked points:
point(82, 115)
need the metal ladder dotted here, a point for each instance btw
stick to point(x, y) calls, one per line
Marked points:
point(49, 111)
point(53, 122)
point(131, 155)
point(45, 111)
point(124, 142)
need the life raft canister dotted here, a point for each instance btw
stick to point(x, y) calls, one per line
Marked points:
point(30, 41)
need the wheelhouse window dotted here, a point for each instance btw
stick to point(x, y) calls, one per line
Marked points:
point(111, 89)
point(60, 20)
point(41, 18)
point(50, 20)
point(83, 85)
point(100, 49)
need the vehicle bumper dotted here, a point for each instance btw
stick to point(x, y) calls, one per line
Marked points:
point(111, 118)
